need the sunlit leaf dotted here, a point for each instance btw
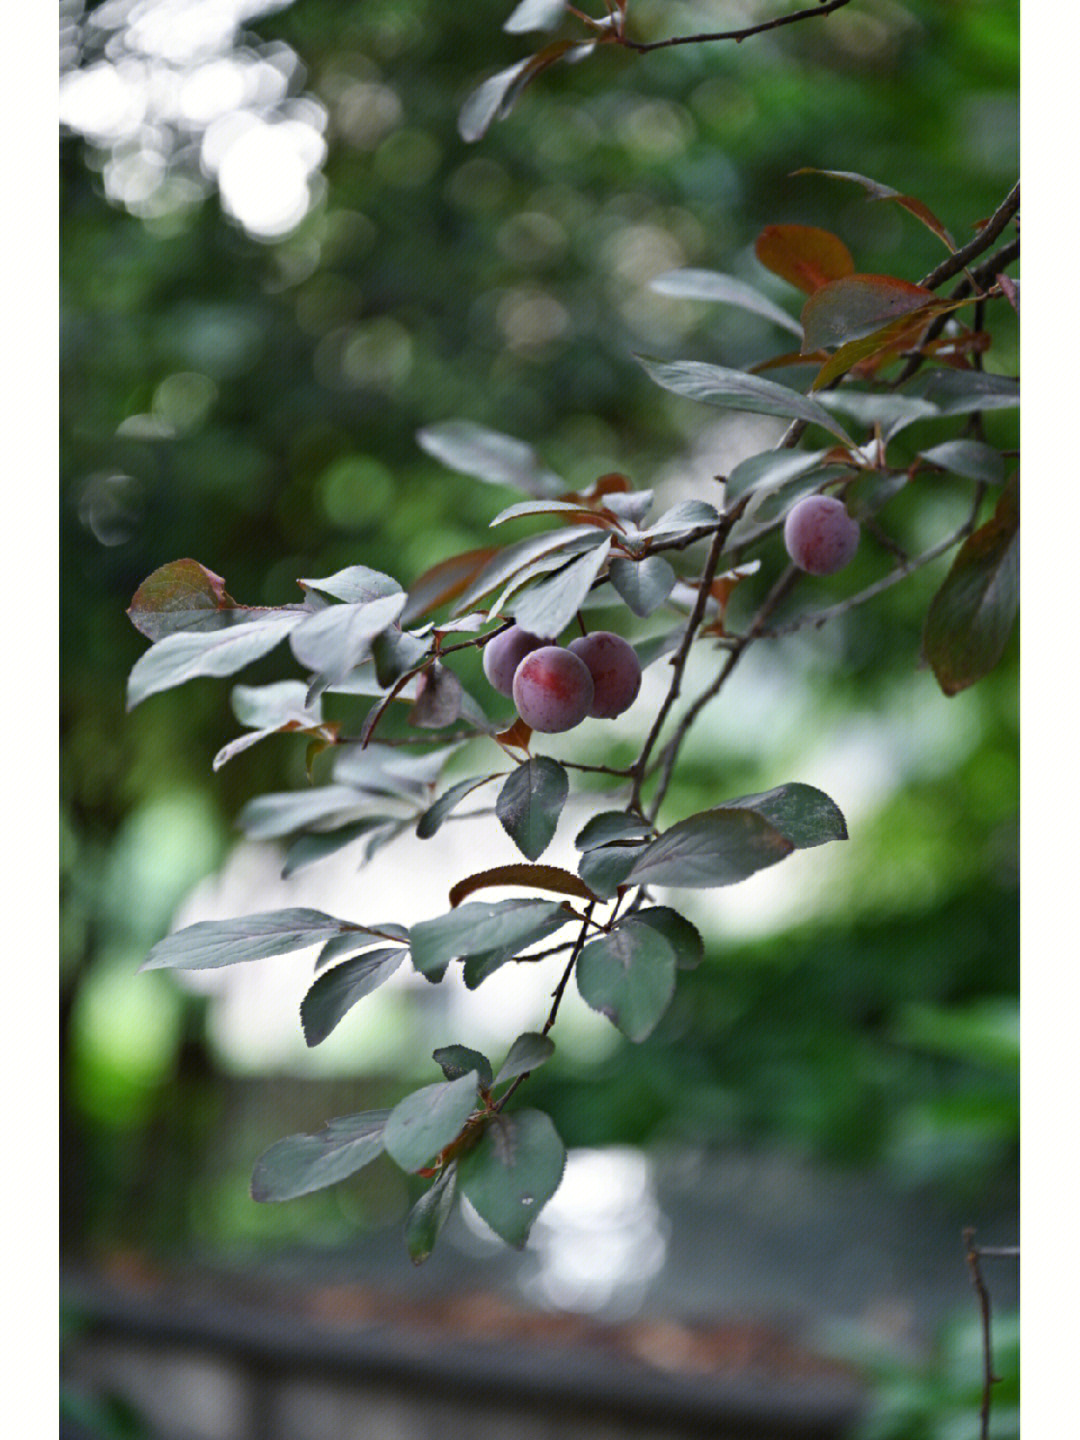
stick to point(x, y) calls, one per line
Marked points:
point(709, 285)
point(337, 990)
point(803, 255)
point(735, 390)
point(355, 585)
point(208, 944)
point(643, 584)
point(547, 607)
point(302, 1163)
point(186, 654)
point(629, 976)
point(269, 817)
point(971, 617)
point(490, 456)
point(535, 15)
point(530, 803)
point(515, 559)
point(513, 1172)
point(496, 97)
point(334, 641)
point(685, 516)
point(428, 1119)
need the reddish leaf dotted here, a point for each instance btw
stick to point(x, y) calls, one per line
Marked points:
point(871, 351)
point(176, 596)
point(886, 192)
point(857, 305)
point(517, 737)
point(803, 255)
point(534, 877)
point(444, 582)
point(971, 617)
point(1010, 291)
point(438, 699)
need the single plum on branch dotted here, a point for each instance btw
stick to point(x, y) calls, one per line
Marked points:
point(820, 535)
point(553, 689)
point(615, 670)
point(504, 654)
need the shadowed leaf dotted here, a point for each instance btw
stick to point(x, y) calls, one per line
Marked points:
point(429, 1215)
point(629, 976)
point(513, 1172)
point(302, 1163)
point(336, 991)
point(530, 803)
point(428, 1119)
point(526, 1053)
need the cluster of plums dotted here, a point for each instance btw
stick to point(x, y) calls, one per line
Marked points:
point(820, 535)
point(556, 686)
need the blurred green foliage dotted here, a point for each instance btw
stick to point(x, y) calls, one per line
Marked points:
point(253, 404)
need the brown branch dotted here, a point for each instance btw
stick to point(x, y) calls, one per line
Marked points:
point(973, 1255)
point(824, 7)
point(959, 259)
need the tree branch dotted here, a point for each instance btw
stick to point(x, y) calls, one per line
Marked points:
point(957, 261)
point(824, 7)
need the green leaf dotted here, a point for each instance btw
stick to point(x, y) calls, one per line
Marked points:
point(687, 515)
point(427, 1120)
point(262, 707)
point(336, 991)
point(684, 938)
point(973, 459)
point(269, 817)
point(773, 467)
point(629, 976)
point(482, 926)
point(971, 617)
point(209, 944)
point(302, 1163)
point(361, 937)
point(709, 285)
point(356, 585)
point(803, 814)
point(525, 557)
point(643, 584)
point(490, 456)
point(716, 847)
point(430, 1214)
point(892, 412)
point(530, 803)
point(612, 825)
point(528, 1051)
point(513, 1172)
point(734, 841)
point(434, 816)
point(962, 392)
point(307, 849)
point(549, 606)
point(606, 867)
point(457, 1060)
point(335, 640)
point(395, 652)
point(734, 390)
point(188, 654)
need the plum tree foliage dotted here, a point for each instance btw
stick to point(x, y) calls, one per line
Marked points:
point(889, 354)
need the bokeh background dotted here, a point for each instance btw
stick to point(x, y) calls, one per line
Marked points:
point(279, 261)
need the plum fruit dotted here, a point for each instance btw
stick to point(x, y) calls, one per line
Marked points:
point(505, 653)
point(820, 535)
point(553, 689)
point(615, 670)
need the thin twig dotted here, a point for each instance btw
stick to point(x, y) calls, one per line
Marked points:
point(642, 46)
point(957, 261)
point(972, 1255)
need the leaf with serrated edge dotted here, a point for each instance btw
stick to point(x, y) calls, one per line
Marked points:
point(713, 848)
point(513, 1172)
point(526, 1054)
point(427, 1120)
point(684, 938)
point(803, 814)
point(611, 825)
point(530, 802)
point(457, 1060)
point(629, 976)
point(607, 867)
point(337, 990)
point(208, 944)
point(302, 1163)
point(480, 926)
point(535, 877)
